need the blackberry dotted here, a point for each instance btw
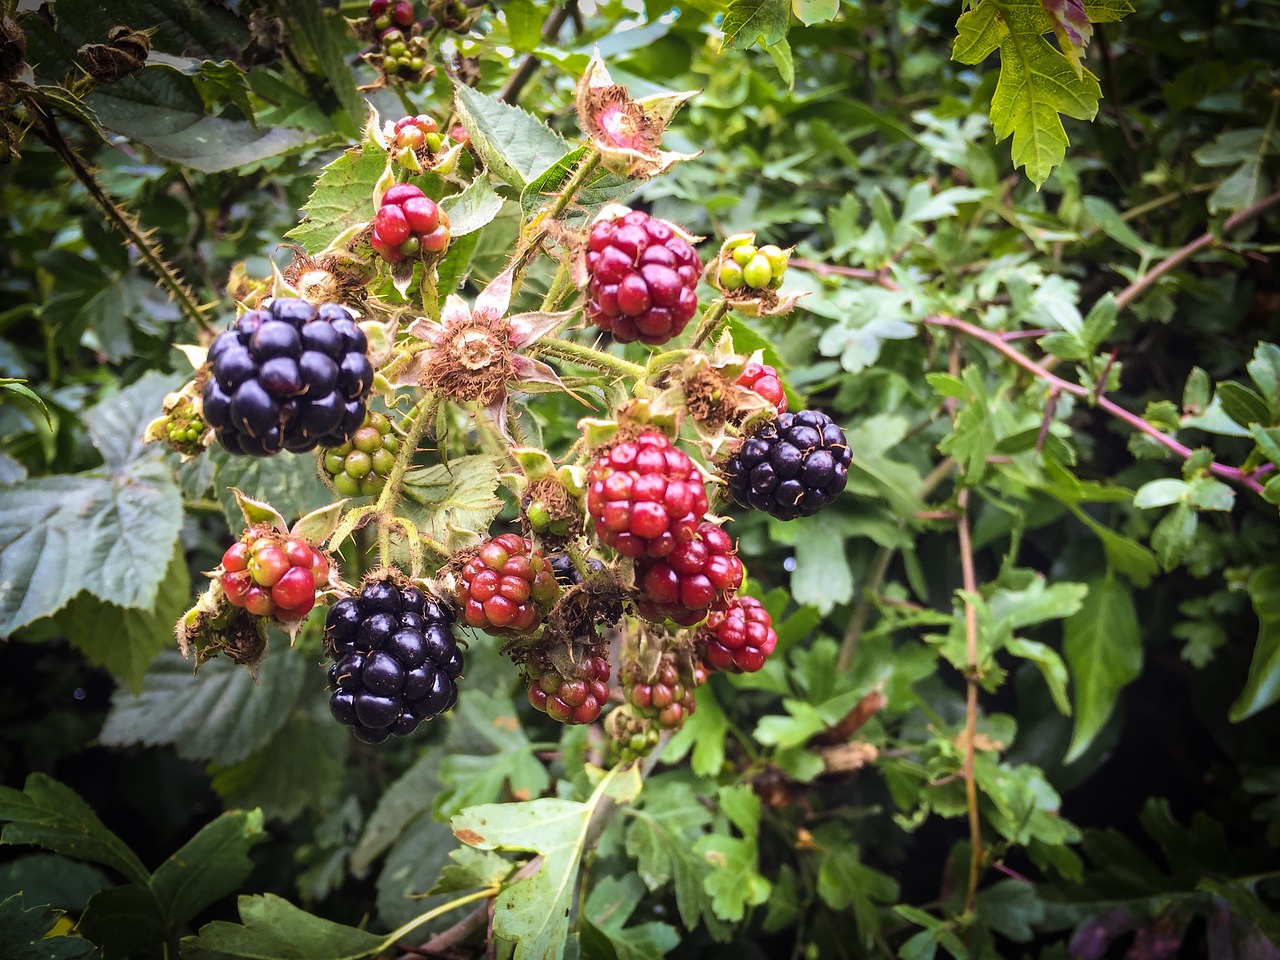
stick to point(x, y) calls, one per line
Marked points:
point(571, 694)
point(395, 660)
point(566, 573)
point(507, 587)
point(790, 467)
point(290, 376)
point(643, 278)
point(683, 585)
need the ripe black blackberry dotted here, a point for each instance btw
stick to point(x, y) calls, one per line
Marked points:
point(790, 467)
point(395, 660)
point(290, 376)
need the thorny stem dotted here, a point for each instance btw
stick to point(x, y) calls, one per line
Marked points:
point(151, 255)
point(588, 357)
point(993, 340)
point(1206, 239)
point(563, 199)
point(418, 423)
point(709, 323)
point(561, 284)
point(971, 700)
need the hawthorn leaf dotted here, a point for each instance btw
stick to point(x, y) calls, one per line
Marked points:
point(25, 930)
point(209, 866)
point(610, 905)
point(219, 714)
point(1103, 647)
point(49, 814)
point(272, 928)
point(734, 882)
point(844, 881)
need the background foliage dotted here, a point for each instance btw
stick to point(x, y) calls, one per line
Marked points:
point(1051, 579)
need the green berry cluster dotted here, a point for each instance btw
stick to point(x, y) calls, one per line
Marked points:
point(752, 267)
point(360, 467)
point(404, 55)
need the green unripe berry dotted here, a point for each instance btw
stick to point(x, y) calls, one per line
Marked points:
point(744, 253)
point(379, 422)
point(411, 247)
point(382, 22)
point(757, 273)
point(559, 528)
point(346, 485)
point(416, 64)
point(390, 444)
point(372, 485)
point(357, 464)
point(383, 461)
point(367, 439)
point(776, 256)
point(730, 275)
point(396, 50)
point(539, 516)
point(776, 282)
point(333, 462)
point(434, 141)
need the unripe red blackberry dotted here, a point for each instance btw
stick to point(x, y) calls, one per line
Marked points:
point(685, 584)
point(506, 587)
point(291, 376)
point(643, 278)
point(790, 467)
point(273, 575)
point(395, 660)
point(763, 379)
point(360, 467)
point(645, 496)
point(409, 225)
point(738, 636)
point(665, 696)
point(571, 699)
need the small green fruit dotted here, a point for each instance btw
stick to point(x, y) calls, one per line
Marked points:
point(757, 273)
point(744, 253)
point(730, 275)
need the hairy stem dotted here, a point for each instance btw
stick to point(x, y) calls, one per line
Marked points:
point(589, 357)
point(993, 340)
point(568, 193)
point(1183, 254)
point(418, 422)
point(709, 323)
point(971, 700)
point(47, 128)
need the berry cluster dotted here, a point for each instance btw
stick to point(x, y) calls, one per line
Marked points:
point(738, 636)
point(384, 13)
point(360, 467)
point(506, 587)
point(404, 55)
point(645, 496)
point(418, 133)
point(752, 268)
point(790, 467)
point(643, 277)
point(395, 660)
point(763, 379)
point(631, 737)
point(665, 696)
point(409, 224)
point(288, 377)
point(683, 585)
point(273, 575)
point(575, 697)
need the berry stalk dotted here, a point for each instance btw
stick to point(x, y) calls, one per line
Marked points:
point(709, 323)
point(590, 357)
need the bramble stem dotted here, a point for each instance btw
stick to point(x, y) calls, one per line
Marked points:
point(564, 198)
point(418, 422)
point(709, 323)
point(590, 357)
point(993, 340)
point(971, 699)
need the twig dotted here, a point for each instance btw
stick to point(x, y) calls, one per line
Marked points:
point(1181, 255)
point(854, 273)
point(992, 339)
point(971, 699)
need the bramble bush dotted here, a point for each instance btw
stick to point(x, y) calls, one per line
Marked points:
point(606, 479)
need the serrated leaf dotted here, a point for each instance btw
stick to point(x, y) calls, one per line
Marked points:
point(748, 21)
point(454, 503)
point(475, 779)
point(123, 640)
point(272, 928)
point(300, 768)
point(287, 481)
point(163, 111)
point(514, 145)
point(219, 714)
point(470, 870)
point(1262, 688)
point(535, 913)
point(342, 197)
point(1103, 647)
point(100, 533)
point(473, 208)
point(24, 934)
point(845, 881)
point(610, 904)
point(209, 866)
point(49, 814)
point(734, 882)
point(1037, 82)
point(1173, 535)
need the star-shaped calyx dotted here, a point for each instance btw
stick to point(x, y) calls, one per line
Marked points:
point(473, 353)
point(627, 132)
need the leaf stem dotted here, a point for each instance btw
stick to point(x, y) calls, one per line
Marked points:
point(1181, 255)
point(993, 340)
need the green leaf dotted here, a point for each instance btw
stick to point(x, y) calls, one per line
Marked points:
point(822, 576)
point(163, 111)
point(810, 12)
point(324, 34)
point(734, 882)
point(19, 387)
point(1264, 370)
point(287, 481)
point(1160, 493)
point(272, 928)
point(473, 208)
point(1103, 646)
point(209, 866)
point(474, 779)
point(602, 187)
point(219, 714)
point(342, 197)
point(1243, 405)
point(536, 913)
point(747, 21)
point(100, 533)
point(454, 503)
point(610, 904)
point(1037, 82)
point(1262, 688)
point(1012, 909)
point(400, 804)
point(1050, 666)
point(844, 881)
point(49, 878)
point(1174, 534)
point(514, 145)
point(125, 641)
point(124, 921)
point(471, 869)
point(300, 768)
point(48, 814)
point(24, 934)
